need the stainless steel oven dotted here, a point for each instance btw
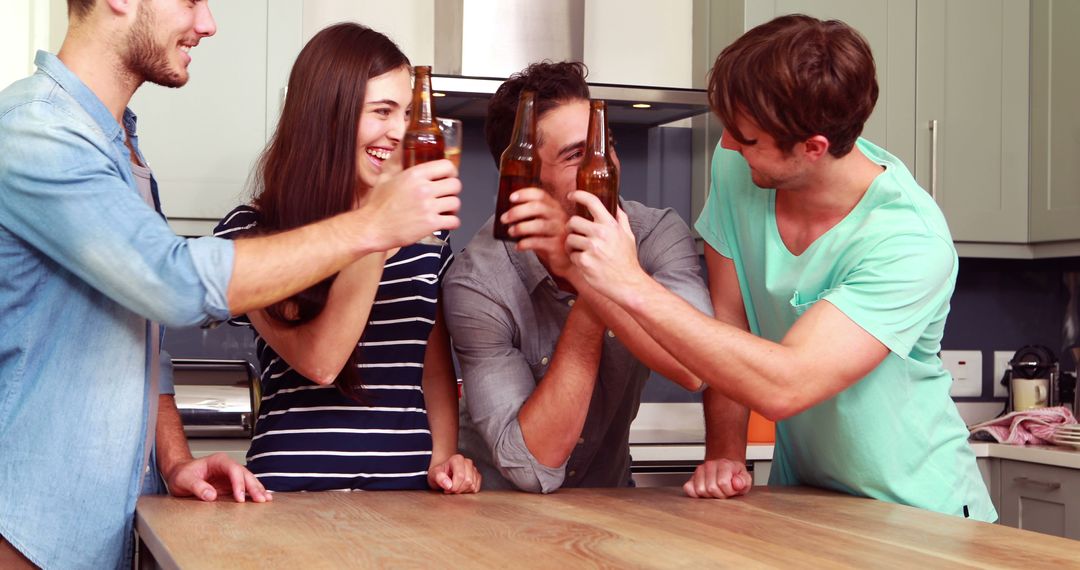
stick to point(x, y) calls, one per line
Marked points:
point(216, 398)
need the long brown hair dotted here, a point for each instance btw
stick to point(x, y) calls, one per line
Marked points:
point(797, 77)
point(308, 171)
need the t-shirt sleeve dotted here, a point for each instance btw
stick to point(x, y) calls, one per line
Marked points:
point(898, 289)
point(715, 217)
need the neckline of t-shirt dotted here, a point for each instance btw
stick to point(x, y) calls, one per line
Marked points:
point(856, 211)
point(418, 248)
point(141, 171)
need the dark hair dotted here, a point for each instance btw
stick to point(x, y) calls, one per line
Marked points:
point(78, 9)
point(553, 83)
point(308, 171)
point(796, 77)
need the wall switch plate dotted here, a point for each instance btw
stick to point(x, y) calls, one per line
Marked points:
point(1001, 364)
point(965, 366)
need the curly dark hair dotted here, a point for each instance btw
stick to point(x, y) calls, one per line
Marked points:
point(797, 77)
point(553, 83)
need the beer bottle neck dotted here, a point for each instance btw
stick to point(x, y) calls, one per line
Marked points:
point(596, 143)
point(423, 112)
point(525, 122)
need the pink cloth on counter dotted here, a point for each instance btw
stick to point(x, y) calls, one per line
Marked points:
point(1034, 427)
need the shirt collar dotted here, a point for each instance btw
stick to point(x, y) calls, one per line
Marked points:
point(528, 266)
point(68, 81)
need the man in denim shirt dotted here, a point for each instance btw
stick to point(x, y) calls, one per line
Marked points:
point(88, 268)
point(553, 373)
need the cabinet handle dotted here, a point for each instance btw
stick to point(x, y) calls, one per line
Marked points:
point(1049, 485)
point(933, 159)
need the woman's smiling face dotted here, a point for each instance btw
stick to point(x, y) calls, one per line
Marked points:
point(382, 123)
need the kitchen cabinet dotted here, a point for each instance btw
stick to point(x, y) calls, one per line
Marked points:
point(203, 140)
point(971, 115)
point(1054, 181)
point(1041, 498)
point(997, 121)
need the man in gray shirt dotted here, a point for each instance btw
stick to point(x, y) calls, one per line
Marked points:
point(553, 373)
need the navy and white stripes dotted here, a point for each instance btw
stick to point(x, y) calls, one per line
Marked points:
point(311, 437)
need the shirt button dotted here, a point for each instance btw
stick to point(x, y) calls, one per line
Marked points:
point(611, 333)
point(570, 302)
point(572, 473)
point(580, 440)
point(545, 360)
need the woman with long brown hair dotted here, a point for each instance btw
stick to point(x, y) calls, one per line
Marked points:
point(359, 391)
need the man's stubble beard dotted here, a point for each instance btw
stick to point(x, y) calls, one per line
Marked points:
point(147, 60)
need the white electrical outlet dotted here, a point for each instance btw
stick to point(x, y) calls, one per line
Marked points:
point(1001, 364)
point(966, 369)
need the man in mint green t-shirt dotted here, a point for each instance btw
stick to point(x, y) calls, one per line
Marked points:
point(831, 272)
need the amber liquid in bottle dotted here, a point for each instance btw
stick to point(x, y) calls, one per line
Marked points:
point(423, 141)
point(519, 166)
point(597, 173)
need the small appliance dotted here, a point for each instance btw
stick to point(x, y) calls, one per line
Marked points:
point(1032, 379)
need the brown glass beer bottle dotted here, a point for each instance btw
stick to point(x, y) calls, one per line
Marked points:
point(519, 166)
point(423, 141)
point(597, 173)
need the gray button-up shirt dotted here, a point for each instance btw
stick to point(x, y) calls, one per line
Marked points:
point(505, 315)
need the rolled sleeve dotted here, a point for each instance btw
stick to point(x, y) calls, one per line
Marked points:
point(166, 387)
point(213, 260)
point(496, 380)
point(62, 192)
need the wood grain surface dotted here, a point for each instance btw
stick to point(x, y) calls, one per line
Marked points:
point(573, 528)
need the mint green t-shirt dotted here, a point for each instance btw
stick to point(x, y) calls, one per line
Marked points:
point(889, 266)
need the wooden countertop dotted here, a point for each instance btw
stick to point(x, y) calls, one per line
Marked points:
point(655, 527)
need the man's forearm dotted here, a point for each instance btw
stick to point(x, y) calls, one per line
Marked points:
point(267, 269)
point(639, 342)
point(172, 446)
point(681, 329)
point(725, 427)
point(552, 418)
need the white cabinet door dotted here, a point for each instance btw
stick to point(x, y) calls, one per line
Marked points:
point(972, 86)
point(1055, 121)
point(1041, 498)
point(202, 140)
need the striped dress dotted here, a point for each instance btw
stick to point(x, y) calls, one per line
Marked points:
point(313, 438)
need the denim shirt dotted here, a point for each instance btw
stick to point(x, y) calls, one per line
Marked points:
point(84, 262)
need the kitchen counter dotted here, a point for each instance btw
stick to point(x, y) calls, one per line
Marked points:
point(658, 527)
point(659, 445)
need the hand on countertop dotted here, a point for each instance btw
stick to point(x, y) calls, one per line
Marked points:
point(719, 479)
point(456, 475)
point(209, 476)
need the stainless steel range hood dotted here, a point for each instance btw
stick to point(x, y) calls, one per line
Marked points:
point(481, 42)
